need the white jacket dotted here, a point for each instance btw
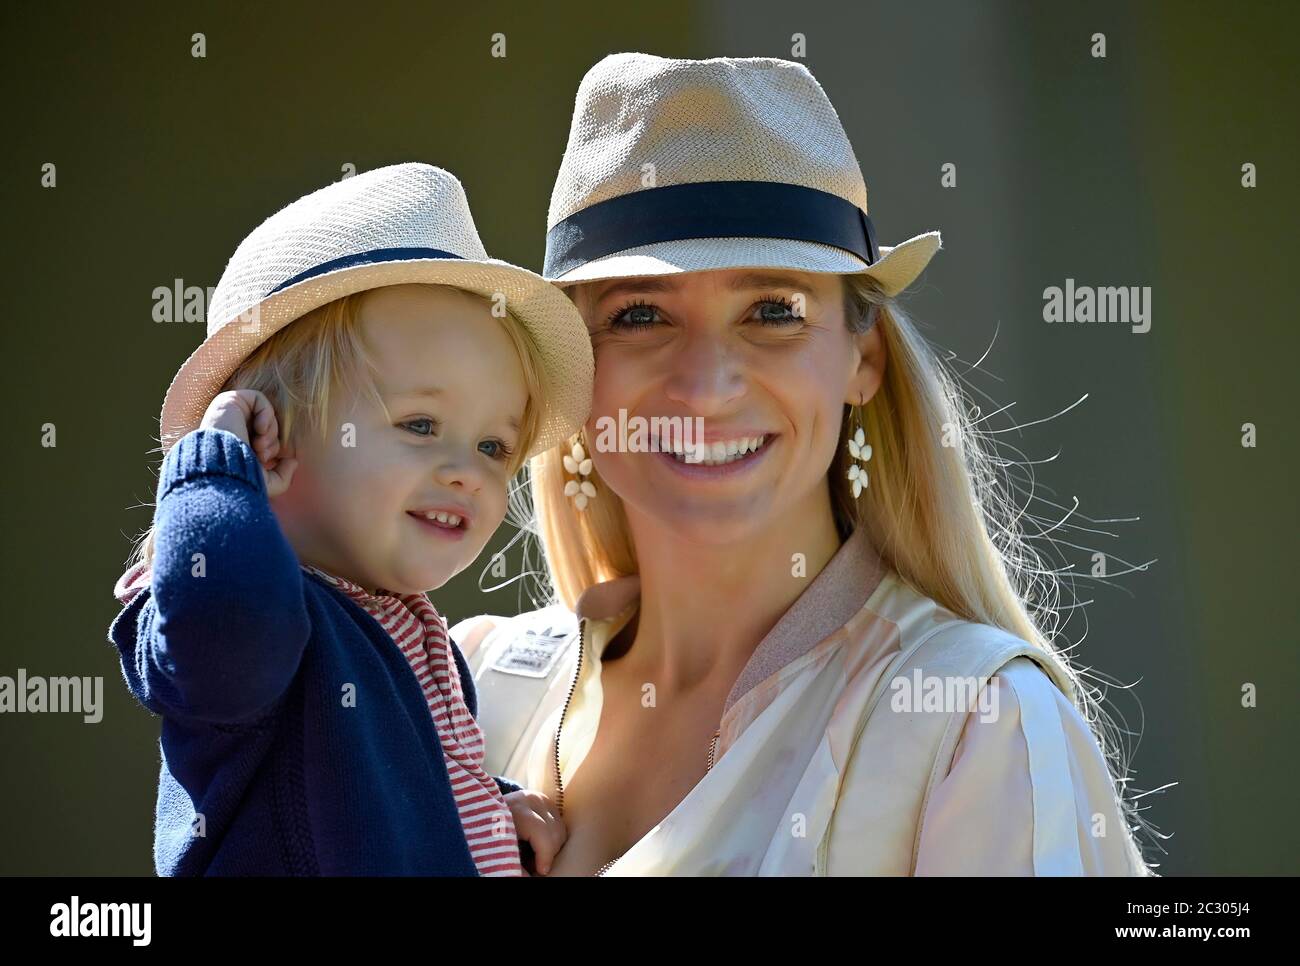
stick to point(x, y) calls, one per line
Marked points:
point(872, 732)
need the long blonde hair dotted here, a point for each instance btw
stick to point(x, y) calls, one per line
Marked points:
point(935, 510)
point(301, 367)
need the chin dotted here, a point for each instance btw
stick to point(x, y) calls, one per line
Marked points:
point(709, 523)
point(426, 579)
point(417, 585)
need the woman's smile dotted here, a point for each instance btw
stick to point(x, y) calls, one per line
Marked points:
point(723, 460)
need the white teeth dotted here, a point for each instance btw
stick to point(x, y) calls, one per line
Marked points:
point(450, 519)
point(718, 454)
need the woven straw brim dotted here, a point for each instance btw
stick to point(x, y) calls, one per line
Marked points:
point(553, 320)
point(895, 270)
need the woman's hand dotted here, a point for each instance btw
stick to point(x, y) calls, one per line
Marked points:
point(538, 822)
point(249, 415)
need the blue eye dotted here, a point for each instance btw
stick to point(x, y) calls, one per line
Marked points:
point(776, 311)
point(426, 427)
point(503, 452)
point(432, 426)
point(638, 315)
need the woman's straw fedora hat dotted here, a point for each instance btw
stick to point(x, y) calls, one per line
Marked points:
point(690, 165)
point(389, 226)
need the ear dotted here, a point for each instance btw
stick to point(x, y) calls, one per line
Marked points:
point(870, 373)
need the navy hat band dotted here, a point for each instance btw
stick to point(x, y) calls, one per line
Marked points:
point(375, 256)
point(709, 209)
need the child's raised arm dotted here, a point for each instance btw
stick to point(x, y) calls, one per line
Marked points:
point(223, 632)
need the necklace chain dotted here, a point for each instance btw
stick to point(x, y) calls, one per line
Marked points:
point(559, 728)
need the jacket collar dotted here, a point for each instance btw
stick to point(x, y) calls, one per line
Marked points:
point(827, 604)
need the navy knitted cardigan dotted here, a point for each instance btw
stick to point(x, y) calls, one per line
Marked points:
point(295, 737)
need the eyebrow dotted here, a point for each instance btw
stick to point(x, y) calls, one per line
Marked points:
point(634, 285)
point(433, 392)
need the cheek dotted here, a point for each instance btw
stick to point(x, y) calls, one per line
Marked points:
point(358, 487)
point(806, 405)
point(617, 382)
point(813, 383)
point(387, 480)
point(608, 463)
point(495, 503)
point(818, 411)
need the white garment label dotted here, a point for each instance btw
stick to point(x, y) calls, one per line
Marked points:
point(534, 655)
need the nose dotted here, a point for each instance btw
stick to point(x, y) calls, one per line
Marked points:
point(460, 467)
point(706, 376)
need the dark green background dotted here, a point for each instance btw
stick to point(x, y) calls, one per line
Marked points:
point(1122, 171)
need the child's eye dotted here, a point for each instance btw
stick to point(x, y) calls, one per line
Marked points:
point(502, 451)
point(421, 427)
point(775, 310)
point(638, 315)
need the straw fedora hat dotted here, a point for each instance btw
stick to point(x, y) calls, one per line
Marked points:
point(690, 165)
point(389, 226)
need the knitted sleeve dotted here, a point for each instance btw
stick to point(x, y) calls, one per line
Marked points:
point(224, 629)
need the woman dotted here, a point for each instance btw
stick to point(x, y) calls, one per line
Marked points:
point(801, 648)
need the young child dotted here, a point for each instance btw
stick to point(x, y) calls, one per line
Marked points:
point(340, 444)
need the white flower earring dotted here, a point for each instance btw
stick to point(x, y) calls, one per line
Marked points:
point(579, 463)
point(860, 451)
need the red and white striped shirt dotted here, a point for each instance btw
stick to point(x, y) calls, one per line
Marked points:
point(420, 633)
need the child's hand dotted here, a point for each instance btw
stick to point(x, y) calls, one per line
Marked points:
point(538, 822)
point(249, 415)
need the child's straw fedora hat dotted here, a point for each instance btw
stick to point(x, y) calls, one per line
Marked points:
point(692, 165)
point(389, 226)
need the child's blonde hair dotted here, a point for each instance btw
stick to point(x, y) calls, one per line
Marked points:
point(302, 366)
point(935, 512)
